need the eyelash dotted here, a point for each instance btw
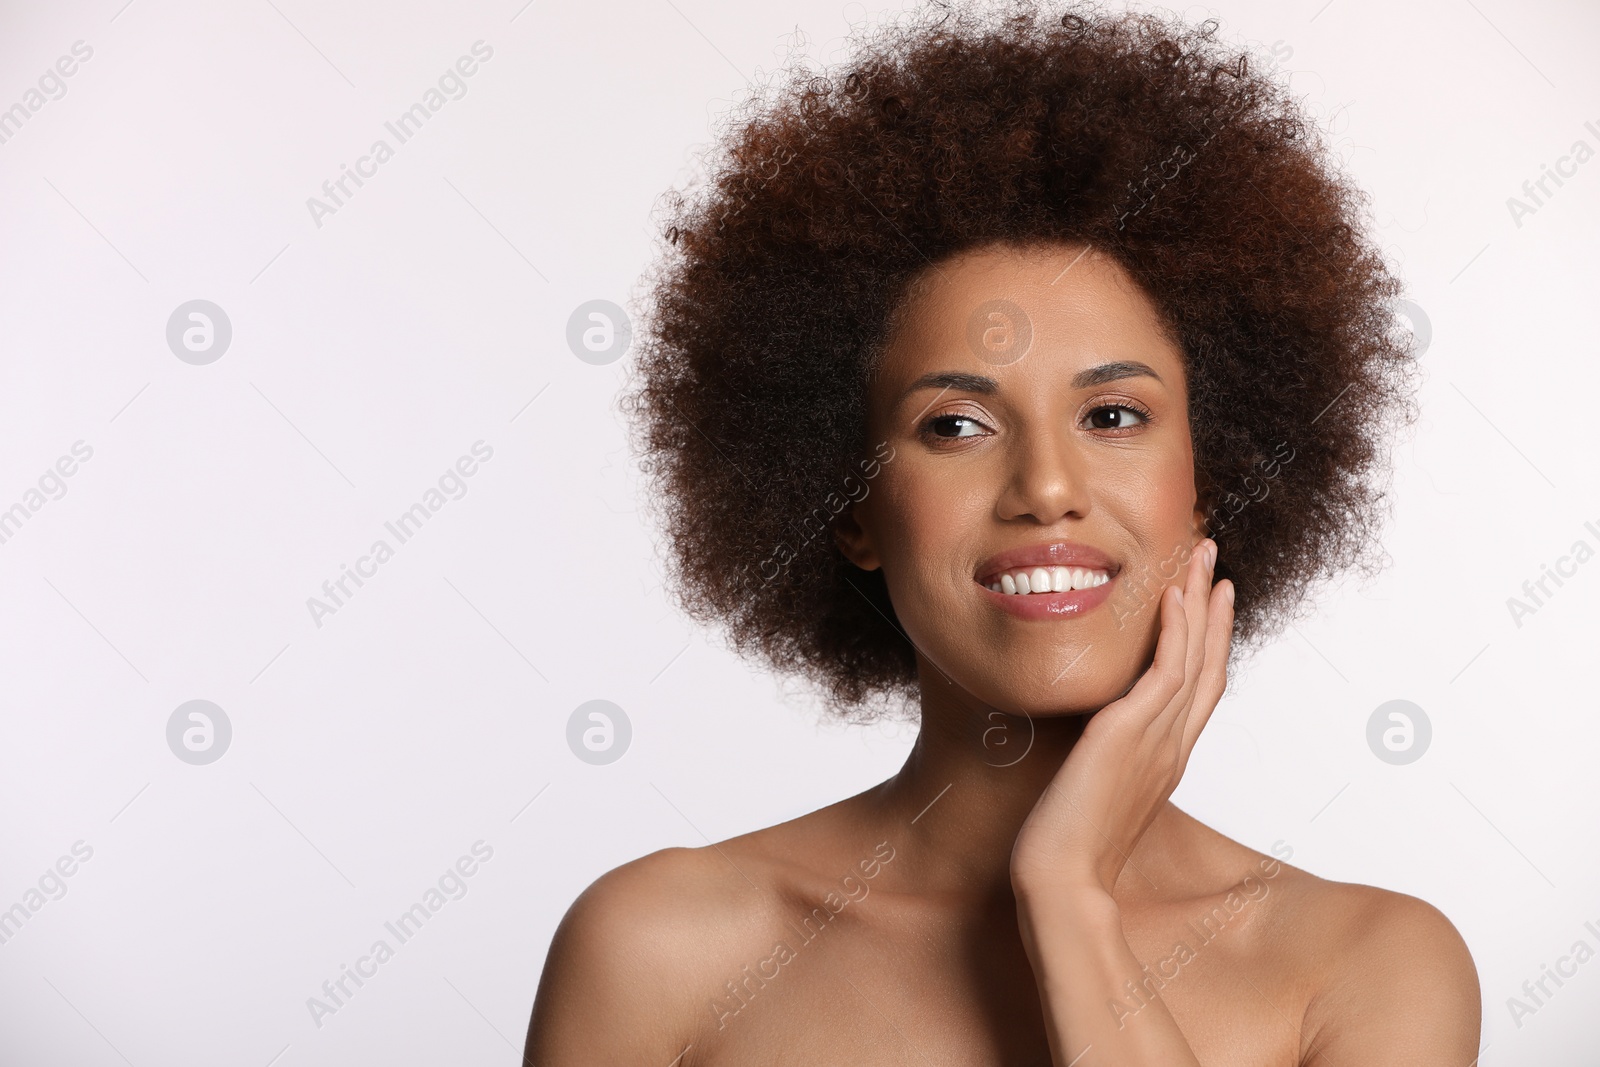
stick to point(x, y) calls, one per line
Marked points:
point(926, 429)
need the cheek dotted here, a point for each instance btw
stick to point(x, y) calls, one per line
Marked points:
point(1172, 493)
point(927, 520)
point(1177, 493)
point(1158, 514)
point(1161, 506)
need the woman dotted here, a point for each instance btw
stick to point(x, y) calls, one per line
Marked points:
point(1021, 374)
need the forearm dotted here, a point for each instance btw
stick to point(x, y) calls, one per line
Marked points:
point(1100, 1007)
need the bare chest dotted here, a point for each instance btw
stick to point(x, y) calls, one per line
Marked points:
point(861, 994)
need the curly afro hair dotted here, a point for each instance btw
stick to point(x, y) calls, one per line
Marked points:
point(780, 279)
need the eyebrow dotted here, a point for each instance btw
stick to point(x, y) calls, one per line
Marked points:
point(1084, 379)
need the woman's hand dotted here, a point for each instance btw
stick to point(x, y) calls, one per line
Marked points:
point(1133, 752)
point(1079, 835)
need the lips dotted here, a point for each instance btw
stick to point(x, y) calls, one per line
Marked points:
point(1034, 606)
point(1050, 554)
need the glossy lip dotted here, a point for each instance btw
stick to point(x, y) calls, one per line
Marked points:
point(1047, 606)
point(1052, 554)
point(1044, 606)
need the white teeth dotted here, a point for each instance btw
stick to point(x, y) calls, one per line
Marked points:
point(1048, 580)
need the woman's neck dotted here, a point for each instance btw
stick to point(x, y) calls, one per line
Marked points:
point(969, 783)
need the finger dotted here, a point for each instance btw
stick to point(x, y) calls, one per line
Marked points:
point(1197, 606)
point(1197, 597)
point(1214, 678)
point(1152, 694)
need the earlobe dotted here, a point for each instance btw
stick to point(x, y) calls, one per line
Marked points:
point(854, 541)
point(1202, 513)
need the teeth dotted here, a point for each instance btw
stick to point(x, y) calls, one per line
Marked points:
point(1048, 580)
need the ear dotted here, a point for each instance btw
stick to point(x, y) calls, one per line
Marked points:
point(1202, 508)
point(853, 539)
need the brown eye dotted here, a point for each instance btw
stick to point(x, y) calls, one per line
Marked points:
point(1116, 416)
point(952, 426)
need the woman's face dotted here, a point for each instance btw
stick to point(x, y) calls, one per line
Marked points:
point(1039, 423)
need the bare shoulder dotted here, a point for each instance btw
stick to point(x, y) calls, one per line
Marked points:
point(1378, 978)
point(642, 951)
point(1389, 976)
point(635, 955)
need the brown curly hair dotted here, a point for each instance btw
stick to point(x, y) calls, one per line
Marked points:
point(1145, 138)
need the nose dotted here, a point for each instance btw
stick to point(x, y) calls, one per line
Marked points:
point(1045, 478)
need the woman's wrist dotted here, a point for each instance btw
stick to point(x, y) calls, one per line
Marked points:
point(1047, 887)
point(1074, 910)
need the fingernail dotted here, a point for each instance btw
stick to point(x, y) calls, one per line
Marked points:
point(1180, 595)
point(1211, 555)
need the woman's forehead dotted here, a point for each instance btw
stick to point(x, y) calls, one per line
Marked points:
point(1000, 308)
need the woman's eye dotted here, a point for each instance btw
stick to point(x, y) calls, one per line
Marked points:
point(954, 426)
point(1118, 415)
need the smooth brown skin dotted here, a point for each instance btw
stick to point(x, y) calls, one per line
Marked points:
point(934, 954)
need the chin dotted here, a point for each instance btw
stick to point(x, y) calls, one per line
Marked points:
point(1040, 668)
point(1043, 700)
point(1042, 687)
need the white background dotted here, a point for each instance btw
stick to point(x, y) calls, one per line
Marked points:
point(430, 312)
